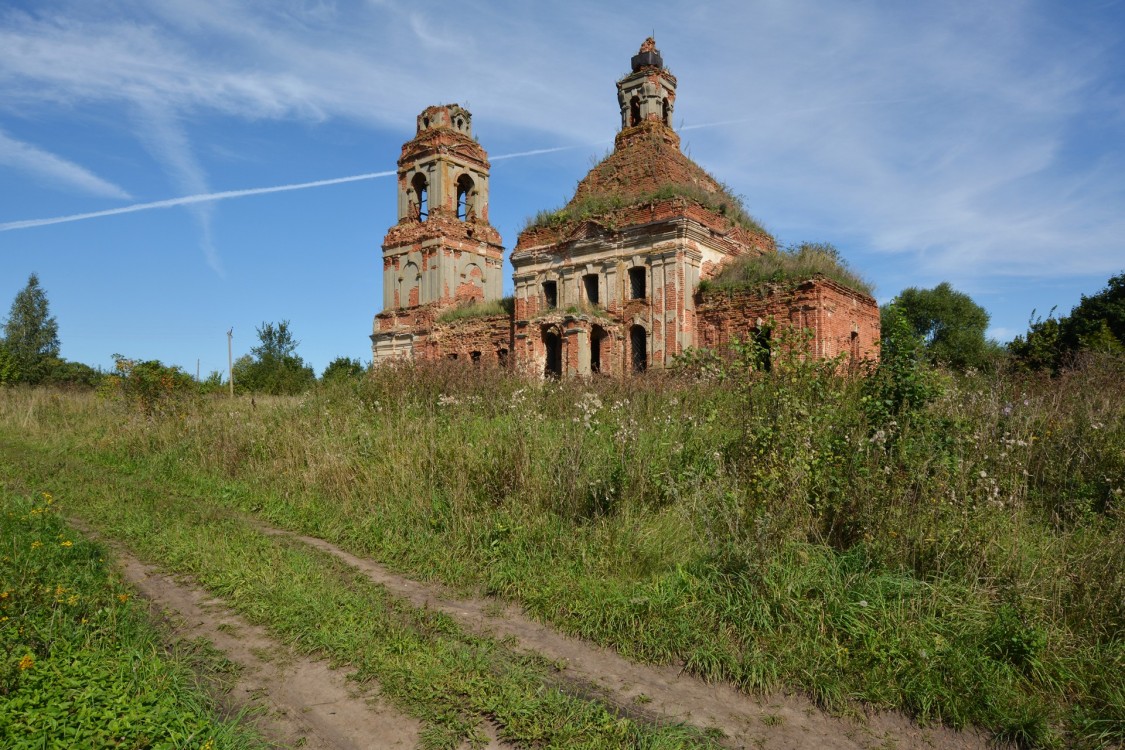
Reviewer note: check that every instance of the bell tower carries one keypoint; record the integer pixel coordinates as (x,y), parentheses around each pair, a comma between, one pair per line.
(442,250)
(647,97)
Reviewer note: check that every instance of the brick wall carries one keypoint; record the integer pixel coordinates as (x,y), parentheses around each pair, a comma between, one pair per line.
(843,321)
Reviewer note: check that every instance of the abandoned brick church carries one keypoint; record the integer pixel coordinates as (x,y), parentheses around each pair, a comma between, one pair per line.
(608,284)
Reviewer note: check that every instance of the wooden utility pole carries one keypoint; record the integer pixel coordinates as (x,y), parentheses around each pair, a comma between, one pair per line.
(230,361)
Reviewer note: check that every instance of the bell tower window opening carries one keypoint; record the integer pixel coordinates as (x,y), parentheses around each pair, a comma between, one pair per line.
(666,112)
(421,193)
(634,111)
(551,294)
(638,282)
(590,286)
(465,203)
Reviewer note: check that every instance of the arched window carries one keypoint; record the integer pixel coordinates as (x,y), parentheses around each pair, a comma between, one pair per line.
(421,195)
(638,342)
(666,113)
(634,111)
(466,207)
(597,340)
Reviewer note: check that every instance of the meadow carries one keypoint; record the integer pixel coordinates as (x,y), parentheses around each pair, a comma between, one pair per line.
(950,546)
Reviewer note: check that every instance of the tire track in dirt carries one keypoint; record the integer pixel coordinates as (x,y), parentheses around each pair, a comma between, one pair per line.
(665,693)
(291,700)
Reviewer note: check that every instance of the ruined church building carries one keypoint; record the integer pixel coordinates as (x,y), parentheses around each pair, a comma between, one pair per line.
(610,283)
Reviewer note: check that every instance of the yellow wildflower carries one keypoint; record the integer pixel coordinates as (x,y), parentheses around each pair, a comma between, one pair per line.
(68,543)
(72,600)
(27,662)
(36,544)
(123,598)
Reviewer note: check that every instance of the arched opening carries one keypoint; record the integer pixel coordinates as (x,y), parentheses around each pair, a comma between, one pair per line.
(666,113)
(597,340)
(475,357)
(465,201)
(421,196)
(634,111)
(502,357)
(552,344)
(638,345)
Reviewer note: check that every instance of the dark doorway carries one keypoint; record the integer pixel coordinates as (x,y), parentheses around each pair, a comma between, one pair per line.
(638,343)
(762,355)
(597,339)
(552,342)
(502,357)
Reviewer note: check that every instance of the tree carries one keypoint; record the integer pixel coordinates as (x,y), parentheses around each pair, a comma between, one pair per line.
(950,324)
(31,334)
(273,366)
(342,368)
(1096,324)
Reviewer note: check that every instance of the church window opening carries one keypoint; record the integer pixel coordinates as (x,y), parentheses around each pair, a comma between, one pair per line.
(551,294)
(597,338)
(637,282)
(465,207)
(475,356)
(421,195)
(552,343)
(502,357)
(762,354)
(634,111)
(666,113)
(638,343)
(590,285)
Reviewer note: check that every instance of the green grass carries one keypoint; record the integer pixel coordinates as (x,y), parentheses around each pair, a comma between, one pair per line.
(80,665)
(794,264)
(423,661)
(486,309)
(604,205)
(963,562)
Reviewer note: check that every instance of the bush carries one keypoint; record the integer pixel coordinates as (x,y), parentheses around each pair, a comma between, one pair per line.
(149,385)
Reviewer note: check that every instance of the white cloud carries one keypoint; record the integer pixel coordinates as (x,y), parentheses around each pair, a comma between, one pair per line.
(53,169)
(946,133)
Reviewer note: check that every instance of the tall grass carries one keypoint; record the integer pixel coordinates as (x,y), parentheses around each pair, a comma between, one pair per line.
(963,560)
(796,263)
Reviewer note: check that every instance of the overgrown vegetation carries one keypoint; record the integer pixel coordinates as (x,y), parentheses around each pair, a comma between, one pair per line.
(602,206)
(475,309)
(80,665)
(1096,324)
(952,546)
(792,264)
(951,325)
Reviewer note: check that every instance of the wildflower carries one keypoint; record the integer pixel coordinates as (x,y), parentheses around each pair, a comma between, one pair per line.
(983,474)
(36,544)
(67,543)
(863,602)
(72,599)
(27,662)
(48,497)
(122,598)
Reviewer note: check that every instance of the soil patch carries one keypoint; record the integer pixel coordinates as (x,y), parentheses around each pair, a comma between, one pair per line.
(665,692)
(292,700)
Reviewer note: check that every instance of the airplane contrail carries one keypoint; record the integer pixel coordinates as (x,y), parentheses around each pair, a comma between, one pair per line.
(227,194)
(189,199)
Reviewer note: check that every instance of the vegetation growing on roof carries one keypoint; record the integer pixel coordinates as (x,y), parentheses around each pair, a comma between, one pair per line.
(791,264)
(475,309)
(601,205)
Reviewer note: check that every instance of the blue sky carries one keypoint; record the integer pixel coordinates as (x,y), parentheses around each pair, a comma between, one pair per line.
(977,143)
